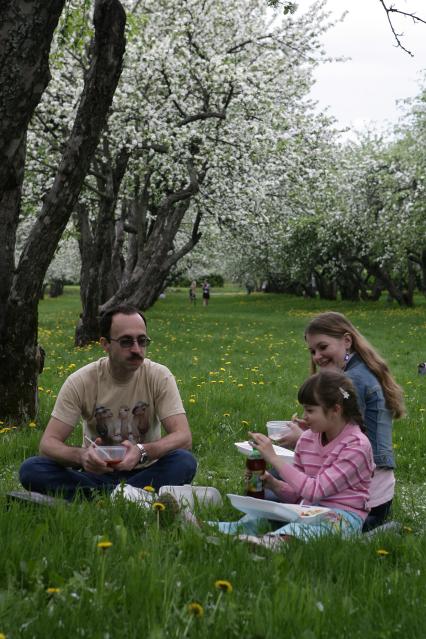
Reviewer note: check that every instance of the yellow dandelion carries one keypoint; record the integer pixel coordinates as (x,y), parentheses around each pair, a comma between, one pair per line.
(192,400)
(223,584)
(243,421)
(104,545)
(51,591)
(32,425)
(195,609)
(158,506)
(382,552)
(2,636)
(407,529)
(149,489)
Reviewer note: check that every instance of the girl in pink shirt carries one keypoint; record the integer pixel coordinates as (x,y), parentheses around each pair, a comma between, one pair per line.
(333,464)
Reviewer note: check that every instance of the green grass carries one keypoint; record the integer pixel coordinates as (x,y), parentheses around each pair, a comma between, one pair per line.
(238,363)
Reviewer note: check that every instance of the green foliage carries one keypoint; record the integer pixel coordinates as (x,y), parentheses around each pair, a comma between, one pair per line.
(214,279)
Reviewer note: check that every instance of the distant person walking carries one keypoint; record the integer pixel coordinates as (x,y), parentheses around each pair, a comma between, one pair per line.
(206,293)
(192,292)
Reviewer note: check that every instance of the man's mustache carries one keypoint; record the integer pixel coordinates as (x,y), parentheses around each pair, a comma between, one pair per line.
(136,356)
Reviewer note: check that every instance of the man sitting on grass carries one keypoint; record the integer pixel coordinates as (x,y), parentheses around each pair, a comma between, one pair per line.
(123,399)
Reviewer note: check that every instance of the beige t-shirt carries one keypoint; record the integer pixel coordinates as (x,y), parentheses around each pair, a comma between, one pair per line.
(116,411)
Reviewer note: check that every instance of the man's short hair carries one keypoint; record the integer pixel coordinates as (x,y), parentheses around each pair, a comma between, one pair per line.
(105,319)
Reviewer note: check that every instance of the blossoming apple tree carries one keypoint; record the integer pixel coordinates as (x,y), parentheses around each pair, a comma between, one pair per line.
(208,115)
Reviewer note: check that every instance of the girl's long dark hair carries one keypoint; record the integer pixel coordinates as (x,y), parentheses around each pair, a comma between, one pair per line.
(328,388)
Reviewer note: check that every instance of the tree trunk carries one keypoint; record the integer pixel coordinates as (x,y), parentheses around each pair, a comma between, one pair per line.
(10,206)
(395,291)
(27,29)
(420,260)
(98,250)
(151,254)
(87,327)
(327,288)
(56,288)
(110,183)
(349,286)
(376,290)
(423,267)
(18,336)
(157,257)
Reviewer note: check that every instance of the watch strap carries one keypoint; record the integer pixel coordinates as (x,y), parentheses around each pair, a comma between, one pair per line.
(144,454)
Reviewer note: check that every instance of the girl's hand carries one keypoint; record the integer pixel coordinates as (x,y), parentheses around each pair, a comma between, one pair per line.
(263,444)
(271,482)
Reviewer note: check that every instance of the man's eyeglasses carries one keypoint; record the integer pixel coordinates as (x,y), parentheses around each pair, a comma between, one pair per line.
(127,342)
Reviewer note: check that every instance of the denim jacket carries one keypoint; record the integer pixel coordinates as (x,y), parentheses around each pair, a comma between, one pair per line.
(377,417)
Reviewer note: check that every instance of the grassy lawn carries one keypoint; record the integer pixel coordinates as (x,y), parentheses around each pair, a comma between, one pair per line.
(238,363)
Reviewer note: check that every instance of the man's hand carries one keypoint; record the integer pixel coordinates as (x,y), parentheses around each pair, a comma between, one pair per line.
(93,462)
(131,458)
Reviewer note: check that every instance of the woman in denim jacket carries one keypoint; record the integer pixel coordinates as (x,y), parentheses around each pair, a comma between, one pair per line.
(333,342)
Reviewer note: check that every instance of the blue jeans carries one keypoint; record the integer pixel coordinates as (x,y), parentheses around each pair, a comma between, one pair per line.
(44,475)
(337,521)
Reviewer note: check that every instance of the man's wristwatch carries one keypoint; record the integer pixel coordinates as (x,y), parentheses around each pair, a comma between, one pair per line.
(144,454)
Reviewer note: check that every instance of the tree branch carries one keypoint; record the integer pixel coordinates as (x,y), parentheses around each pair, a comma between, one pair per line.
(203,115)
(397,36)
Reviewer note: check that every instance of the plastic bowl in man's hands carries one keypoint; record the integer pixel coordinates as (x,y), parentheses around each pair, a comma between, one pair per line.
(112,454)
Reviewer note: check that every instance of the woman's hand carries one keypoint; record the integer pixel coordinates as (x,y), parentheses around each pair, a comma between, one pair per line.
(263,444)
(296,428)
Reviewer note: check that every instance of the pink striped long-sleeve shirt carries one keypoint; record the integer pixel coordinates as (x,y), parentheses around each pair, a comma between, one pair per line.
(336,475)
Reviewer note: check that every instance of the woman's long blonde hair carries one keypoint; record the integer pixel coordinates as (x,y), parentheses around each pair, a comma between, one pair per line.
(337,325)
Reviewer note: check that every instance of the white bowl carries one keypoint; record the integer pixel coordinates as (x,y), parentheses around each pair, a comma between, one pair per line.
(277,429)
(246,449)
